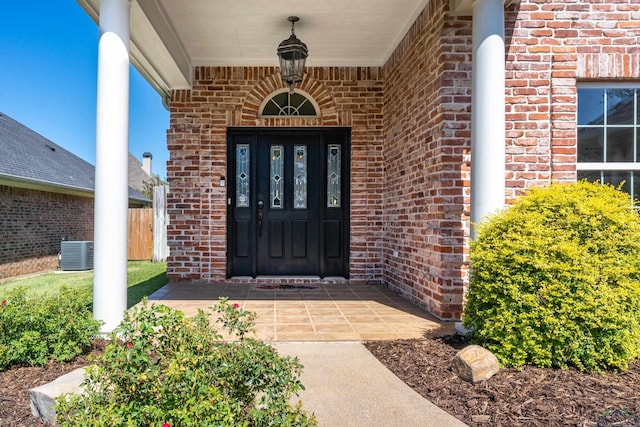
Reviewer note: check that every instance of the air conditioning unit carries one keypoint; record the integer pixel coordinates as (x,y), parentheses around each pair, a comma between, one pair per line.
(76,256)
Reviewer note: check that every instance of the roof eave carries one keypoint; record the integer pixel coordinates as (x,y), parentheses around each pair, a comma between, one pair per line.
(154,47)
(40,185)
(52,187)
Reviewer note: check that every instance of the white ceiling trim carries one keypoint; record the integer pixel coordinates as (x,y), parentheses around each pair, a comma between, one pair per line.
(333,61)
(157,29)
(162,61)
(169,37)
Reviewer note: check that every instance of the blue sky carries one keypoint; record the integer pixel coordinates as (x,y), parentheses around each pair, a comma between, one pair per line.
(48,77)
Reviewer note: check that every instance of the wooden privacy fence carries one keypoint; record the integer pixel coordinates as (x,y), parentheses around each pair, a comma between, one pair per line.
(160,221)
(148,229)
(140,242)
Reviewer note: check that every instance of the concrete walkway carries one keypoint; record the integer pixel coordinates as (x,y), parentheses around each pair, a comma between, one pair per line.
(324,326)
(346,386)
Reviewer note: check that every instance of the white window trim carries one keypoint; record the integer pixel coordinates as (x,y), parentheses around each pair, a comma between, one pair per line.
(594,166)
(610,85)
(609,166)
(612,166)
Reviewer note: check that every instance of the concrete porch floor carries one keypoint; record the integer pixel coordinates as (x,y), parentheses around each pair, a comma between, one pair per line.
(313,312)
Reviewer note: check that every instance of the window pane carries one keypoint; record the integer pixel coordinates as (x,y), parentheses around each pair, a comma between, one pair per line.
(620,106)
(300,176)
(333,175)
(608,132)
(306,108)
(591,144)
(620,145)
(242,175)
(591,176)
(289,104)
(276,177)
(637,140)
(273,107)
(616,178)
(590,106)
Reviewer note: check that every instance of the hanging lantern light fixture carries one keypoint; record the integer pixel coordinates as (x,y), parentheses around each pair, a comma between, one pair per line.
(293,55)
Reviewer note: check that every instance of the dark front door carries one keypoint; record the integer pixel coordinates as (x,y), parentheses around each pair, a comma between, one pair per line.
(288,203)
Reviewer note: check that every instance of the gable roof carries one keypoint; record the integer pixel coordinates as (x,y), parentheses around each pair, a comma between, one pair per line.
(29,160)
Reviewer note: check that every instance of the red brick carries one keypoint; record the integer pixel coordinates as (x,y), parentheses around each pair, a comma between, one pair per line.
(410,123)
(32,225)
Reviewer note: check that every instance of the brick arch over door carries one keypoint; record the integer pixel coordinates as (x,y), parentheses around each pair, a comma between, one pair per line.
(314,88)
(223,97)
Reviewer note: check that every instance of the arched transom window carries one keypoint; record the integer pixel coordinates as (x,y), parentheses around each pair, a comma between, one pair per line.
(285,103)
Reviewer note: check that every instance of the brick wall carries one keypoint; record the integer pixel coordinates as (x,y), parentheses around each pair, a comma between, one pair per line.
(550,48)
(410,124)
(231,96)
(32,224)
(427,140)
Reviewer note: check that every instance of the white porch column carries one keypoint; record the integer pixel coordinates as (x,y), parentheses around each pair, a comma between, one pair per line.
(112,148)
(487,110)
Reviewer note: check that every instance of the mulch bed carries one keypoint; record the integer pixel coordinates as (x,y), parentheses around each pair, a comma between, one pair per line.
(15,409)
(529,397)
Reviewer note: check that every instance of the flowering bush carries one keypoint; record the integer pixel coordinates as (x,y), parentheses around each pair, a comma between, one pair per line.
(164,369)
(36,330)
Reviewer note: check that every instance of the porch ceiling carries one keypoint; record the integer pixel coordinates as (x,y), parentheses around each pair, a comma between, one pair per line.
(169,37)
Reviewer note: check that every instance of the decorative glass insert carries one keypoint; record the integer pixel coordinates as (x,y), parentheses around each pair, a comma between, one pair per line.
(276,177)
(289,104)
(609,135)
(243,156)
(333,175)
(300,176)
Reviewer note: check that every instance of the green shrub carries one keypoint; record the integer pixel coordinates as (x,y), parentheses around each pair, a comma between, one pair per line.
(34,330)
(555,280)
(164,369)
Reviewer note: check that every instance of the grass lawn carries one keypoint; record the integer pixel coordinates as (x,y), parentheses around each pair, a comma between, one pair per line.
(143,279)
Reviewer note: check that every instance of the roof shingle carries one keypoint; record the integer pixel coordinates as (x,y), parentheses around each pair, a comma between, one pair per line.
(28,156)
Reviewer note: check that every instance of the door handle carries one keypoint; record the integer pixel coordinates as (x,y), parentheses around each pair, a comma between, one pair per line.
(260,206)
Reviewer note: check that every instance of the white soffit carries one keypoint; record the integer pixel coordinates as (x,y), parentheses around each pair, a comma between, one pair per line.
(156,48)
(247,32)
(156,54)
(169,37)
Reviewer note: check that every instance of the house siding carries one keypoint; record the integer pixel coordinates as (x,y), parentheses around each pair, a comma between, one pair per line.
(32,224)
(410,123)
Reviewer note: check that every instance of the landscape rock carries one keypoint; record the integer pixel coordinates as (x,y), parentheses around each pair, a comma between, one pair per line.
(461,330)
(43,397)
(474,364)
